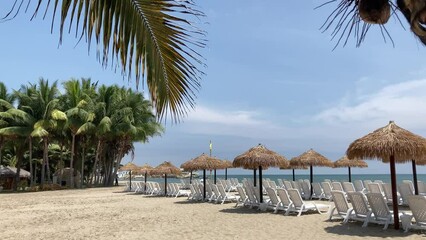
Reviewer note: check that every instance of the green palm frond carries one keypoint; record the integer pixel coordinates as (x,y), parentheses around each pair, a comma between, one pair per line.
(58,115)
(157,40)
(86,128)
(15,131)
(39,132)
(5,104)
(21,116)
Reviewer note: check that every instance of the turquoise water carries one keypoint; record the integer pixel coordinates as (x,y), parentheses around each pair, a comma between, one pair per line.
(317,178)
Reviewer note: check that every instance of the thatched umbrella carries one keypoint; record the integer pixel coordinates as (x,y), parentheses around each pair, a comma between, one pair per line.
(393,144)
(187,166)
(227,164)
(205,162)
(259,157)
(166,168)
(130,167)
(288,166)
(310,159)
(345,162)
(145,170)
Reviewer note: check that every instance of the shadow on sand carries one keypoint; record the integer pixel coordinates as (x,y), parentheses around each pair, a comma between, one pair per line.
(355,229)
(241,210)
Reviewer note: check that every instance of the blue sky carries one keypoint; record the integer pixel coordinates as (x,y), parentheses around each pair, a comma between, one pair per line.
(272,78)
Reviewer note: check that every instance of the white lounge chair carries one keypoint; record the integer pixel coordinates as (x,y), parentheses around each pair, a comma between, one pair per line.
(224,196)
(405,191)
(337,186)
(360,207)
(341,206)
(380,211)
(252,199)
(306,190)
(348,187)
(418,207)
(285,200)
(359,186)
(318,193)
(374,188)
(243,199)
(274,203)
(287,185)
(301,206)
(326,187)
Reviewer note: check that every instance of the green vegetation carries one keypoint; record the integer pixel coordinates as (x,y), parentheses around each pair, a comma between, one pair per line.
(89,128)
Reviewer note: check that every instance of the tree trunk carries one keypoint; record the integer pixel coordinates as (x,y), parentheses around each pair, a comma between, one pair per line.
(72,161)
(19,155)
(98,149)
(43,164)
(82,168)
(30,143)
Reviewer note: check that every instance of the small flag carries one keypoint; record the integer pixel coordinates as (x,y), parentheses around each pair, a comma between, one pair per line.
(211,146)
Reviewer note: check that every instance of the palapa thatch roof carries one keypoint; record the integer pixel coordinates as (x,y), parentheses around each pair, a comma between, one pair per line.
(345,162)
(11,172)
(227,164)
(146,168)
(203,162)
(130,167)
(259,156)
(289,166)
(387,141)
(166,168)
(310,158)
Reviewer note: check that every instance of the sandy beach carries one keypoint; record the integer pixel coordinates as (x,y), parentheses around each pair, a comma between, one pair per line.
(109,213)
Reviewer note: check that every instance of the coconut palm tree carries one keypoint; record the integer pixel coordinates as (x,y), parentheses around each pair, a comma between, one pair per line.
(6,101)
(77,103)
(44,105)
(156,39)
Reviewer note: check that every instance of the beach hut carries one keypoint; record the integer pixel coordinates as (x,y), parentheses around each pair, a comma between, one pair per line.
(8,175)
(166,168)
(63,177)
(145,170)
(130,167)
(345,162)
(204,162)
(288,166)
(390,144)
(310,159)
(259,157)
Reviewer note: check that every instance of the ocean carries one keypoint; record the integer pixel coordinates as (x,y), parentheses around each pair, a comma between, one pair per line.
(316,178)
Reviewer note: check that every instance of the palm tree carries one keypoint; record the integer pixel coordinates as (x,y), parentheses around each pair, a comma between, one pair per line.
(157,39)
(44,106)
(6,101)
(77,104)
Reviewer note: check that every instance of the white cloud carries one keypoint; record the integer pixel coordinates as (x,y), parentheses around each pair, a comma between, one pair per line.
(209,121)
(403,102)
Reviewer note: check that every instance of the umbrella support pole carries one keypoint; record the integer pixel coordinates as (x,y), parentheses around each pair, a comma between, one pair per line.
(294,177)
(349,173)
(204,184)
(260,185)
(416,187)
(165,185)
(130,178)
(394,195)
(144,188)
(190,178)
(215,176)
(254,177)
(226,174)
(311,171)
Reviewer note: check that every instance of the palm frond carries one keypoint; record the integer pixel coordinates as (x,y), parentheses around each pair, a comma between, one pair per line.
(157,40)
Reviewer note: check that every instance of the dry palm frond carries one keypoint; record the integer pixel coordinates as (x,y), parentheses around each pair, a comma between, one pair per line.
(154,39)
(346,162)
(259,156)
(355,17)
(310,158)
(387,141)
